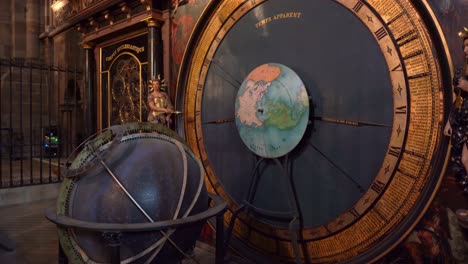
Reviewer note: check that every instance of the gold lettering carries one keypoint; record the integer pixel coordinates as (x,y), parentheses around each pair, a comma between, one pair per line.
(123,47)
(263,22)
(278,16)
(109,58)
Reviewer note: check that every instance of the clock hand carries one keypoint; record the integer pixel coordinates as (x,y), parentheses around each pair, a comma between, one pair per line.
(232,80)
(356,184)
(348,122)
(220,121)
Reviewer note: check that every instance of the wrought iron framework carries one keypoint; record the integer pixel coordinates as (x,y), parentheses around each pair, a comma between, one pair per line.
(41,121)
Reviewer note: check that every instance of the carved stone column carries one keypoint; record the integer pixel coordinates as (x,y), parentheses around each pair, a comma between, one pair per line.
(18,27)
(155,49)
(5,29)
(32,29)
(90,89)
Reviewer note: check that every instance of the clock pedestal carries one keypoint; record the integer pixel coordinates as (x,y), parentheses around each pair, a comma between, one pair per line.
(293,216)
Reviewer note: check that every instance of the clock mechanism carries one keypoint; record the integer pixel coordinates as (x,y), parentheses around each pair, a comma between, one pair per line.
(370,160)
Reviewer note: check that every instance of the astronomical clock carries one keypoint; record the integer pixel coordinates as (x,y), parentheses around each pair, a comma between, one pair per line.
(371,155)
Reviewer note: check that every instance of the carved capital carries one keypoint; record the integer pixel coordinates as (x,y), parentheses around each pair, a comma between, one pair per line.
(87,45)
(153,23)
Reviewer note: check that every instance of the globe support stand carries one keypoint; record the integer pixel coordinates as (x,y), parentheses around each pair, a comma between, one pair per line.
(112,232)
(293,217)
(113,240)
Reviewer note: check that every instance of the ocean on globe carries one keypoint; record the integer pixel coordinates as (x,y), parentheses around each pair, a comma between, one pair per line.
(272,110)
(131,174)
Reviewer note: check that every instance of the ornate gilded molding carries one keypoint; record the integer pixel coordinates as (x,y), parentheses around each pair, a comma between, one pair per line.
(126,9)
(91,16)
(146,3)
(93,23)
(109,17)
(80,28)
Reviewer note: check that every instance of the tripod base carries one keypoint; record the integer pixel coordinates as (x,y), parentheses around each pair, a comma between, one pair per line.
(293,217)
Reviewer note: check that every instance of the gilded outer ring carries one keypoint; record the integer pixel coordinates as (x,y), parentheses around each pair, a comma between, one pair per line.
(406,176)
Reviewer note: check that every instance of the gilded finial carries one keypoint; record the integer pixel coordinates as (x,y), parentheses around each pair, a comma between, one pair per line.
(464,33)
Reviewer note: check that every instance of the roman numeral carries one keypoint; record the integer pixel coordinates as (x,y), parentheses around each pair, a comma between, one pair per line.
(354,212)
(357,6)
(381,33)
(378,186)
(206,62)
(401,110)
(397,68)
(394,151)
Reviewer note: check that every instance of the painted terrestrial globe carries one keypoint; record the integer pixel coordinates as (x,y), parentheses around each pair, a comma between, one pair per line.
(272,110)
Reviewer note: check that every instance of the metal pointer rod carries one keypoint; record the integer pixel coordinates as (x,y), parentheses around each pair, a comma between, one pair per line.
(220,121)
(348,122)
(232,80)
(356,184)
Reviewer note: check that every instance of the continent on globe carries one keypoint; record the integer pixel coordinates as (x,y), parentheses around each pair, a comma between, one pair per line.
(282,116)
(257,83)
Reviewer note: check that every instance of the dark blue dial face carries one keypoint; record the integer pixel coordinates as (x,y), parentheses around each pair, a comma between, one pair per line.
(352,186)
(351,106)
(371,157)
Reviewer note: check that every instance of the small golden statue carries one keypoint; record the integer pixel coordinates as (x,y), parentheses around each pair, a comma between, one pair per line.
(159,103)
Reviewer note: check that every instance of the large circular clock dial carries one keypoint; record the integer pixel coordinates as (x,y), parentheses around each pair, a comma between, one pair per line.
(373,153)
